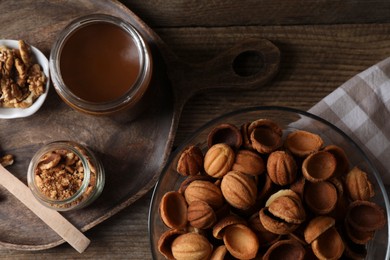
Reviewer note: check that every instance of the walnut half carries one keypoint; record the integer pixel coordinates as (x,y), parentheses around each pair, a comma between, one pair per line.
(22,80)
(7,160)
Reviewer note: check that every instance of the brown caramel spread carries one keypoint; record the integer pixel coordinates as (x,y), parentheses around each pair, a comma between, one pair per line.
(99,62)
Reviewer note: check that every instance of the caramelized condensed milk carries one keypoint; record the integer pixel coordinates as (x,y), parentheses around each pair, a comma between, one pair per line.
(101,65)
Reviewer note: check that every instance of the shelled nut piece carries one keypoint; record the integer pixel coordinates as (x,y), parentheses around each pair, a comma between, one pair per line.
(165,241)
(241,241)
(266,238)
(289,209)
(225,133)
(339,185)
(285,249)
(219,253)
(280,193)
(317,226)
(298,186)
(283,214)
(191,246)
(340,211)
(324,238)
(302,143)
(274,225)
(365,216)
(7,160)
(201,215)
(190,161)
(219,227)
(22,80)
(320,197)
(358,185)
(355,251)
(328,245)
(281,168)
(223,211)
(218,160)
(265,135)
(342,203)
(191,178)
(248,162)
(246,139)
(239,190)
(341,158)
(205,191)
(357,236)
(173,210)
(319,166)
(265,188)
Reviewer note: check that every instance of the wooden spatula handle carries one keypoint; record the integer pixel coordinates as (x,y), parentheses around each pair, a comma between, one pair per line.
(51,217)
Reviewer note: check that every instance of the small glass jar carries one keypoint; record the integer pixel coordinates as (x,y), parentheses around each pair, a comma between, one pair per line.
(64,175)
(101,65)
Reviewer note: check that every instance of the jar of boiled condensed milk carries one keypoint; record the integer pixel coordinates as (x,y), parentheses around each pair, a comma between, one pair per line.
(101,65)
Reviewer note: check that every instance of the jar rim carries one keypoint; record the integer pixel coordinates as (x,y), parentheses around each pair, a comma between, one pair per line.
(131,96)
(57,145)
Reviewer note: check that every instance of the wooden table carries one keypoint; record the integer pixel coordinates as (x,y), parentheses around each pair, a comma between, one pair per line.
(323,44)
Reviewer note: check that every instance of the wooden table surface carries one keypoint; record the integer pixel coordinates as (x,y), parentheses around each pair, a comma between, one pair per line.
(323,44)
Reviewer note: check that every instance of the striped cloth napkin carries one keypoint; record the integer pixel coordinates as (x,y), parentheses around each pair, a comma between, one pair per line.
(361,108)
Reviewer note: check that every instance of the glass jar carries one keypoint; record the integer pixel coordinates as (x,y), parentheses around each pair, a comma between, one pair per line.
(64,175)
(101,65)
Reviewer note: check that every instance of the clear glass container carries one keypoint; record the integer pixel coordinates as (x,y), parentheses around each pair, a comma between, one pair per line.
(290,120)
(64,175)
(115,41)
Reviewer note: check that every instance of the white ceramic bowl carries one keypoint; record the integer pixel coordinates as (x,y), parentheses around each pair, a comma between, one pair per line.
(290,120)
(8,113)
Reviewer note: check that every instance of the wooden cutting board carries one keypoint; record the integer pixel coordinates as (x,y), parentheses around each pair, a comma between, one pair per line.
(133,152)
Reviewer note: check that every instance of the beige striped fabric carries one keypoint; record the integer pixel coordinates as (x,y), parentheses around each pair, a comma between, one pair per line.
(361,108)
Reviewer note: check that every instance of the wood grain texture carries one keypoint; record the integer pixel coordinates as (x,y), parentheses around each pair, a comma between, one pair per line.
(204,13)
(133,152)
(323,44)
(315,60)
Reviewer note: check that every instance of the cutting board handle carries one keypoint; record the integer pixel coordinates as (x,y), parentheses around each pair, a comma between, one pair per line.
(248,65)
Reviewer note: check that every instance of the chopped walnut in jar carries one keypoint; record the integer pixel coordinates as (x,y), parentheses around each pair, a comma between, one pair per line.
(60,174)
(22,80)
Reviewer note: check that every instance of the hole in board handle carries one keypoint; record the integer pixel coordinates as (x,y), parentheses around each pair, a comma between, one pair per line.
(248,63)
